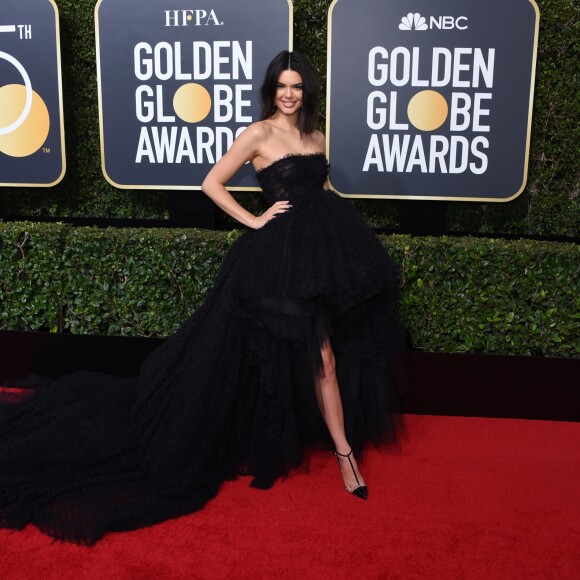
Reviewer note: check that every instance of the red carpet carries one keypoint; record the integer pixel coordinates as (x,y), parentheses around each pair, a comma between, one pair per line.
(462,498)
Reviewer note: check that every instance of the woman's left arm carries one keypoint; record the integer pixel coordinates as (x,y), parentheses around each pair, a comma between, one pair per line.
(244,149)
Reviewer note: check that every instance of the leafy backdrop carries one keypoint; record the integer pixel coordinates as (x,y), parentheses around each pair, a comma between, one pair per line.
(457,294)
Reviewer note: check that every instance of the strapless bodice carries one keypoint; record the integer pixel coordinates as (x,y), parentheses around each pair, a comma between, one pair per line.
(293,176)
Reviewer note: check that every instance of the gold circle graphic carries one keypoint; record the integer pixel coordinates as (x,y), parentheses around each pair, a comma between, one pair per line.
(427,110)
(192,103)
(30,136)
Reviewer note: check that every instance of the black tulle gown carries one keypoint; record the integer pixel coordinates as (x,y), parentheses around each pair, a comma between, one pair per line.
(231,392)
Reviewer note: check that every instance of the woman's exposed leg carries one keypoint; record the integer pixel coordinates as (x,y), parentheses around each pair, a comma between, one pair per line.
(330,403)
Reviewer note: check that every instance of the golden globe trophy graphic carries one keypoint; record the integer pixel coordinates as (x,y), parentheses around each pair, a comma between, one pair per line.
(192,103)
(24,118)
(31,124)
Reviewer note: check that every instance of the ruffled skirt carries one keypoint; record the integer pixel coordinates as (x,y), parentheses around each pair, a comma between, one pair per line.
(231,392)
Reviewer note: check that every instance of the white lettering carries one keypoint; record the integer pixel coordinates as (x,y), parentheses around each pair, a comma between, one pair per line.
(374,67)
(144,148)
(417,156)
(464,67)
(241,59)
(218,60)
(448,22)
(478,112)
(184,17)
(241,103)
(433,154)
(180,76)
(458,161)
(224,59)
(185,147)
(436,22)
(223,140)
(393,114)
(163,56)
(483,68)
(144,110)
(478,170)
(459,114)
(459,67)
(222,101)
(205,141)
(396,151)
(164,143)
(200,61)
(400,60)
(373,156)
(212,18)
(143,66)
(174,145)
(380,112)
(438,155)
(415,81)
(172,18)
(438,52)
(161,117)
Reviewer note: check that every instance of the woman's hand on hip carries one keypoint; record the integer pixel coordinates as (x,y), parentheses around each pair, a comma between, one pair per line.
(278,208)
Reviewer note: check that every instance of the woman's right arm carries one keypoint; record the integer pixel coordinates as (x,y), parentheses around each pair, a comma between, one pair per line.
(244,149)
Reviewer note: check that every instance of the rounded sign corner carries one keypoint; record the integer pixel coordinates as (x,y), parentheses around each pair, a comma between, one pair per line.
(536,8)
(518,192)
(108,178)
(98,7)
(59,178)
(55,7)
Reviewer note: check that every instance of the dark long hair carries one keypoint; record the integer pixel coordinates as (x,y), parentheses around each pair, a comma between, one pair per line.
(295,61)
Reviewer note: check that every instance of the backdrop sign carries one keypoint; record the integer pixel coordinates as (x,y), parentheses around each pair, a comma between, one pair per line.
(431,99)
(178,81)
(31,120)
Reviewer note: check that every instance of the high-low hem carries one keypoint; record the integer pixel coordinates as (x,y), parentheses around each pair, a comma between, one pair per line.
(231,392)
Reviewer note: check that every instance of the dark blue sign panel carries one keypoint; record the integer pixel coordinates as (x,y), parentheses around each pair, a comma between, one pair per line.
(431,100)
(31,121)
(178,81)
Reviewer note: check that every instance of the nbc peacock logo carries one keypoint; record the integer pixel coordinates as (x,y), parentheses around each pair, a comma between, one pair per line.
(413,21)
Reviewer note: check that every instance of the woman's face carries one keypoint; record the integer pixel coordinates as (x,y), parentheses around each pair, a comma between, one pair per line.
(288,96)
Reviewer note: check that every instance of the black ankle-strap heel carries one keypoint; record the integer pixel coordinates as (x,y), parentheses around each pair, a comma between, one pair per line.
(360,490)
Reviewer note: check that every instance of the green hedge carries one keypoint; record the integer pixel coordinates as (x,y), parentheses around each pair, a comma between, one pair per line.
(490,296)
(137,281)
(31,276)
(457,294)
(548,206)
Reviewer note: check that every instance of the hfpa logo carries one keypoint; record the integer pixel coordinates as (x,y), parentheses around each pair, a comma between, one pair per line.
(417,22)
(191,18)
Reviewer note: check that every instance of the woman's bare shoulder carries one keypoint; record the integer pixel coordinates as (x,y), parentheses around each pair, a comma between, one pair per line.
(251,140)
(319,140)
(260,130)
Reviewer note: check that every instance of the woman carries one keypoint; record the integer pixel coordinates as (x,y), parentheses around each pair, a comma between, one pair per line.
(299,326)
(287,130)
